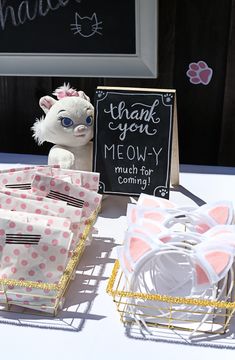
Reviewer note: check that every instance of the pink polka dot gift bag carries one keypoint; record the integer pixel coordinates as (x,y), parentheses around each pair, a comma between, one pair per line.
(46,218)
(32,250)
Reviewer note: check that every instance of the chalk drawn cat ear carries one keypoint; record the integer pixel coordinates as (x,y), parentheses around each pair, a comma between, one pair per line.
(150,201)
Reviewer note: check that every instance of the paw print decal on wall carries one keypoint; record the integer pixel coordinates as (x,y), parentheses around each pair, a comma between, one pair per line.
(199,73)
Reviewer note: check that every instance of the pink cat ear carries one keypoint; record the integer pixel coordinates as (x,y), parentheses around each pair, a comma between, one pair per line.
(219,260)
(158,216)
(213,266)
(221,213)
(137,246)
(201,276)
(201,228)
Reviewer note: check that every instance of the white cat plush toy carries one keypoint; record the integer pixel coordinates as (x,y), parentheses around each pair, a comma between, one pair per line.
(68,124)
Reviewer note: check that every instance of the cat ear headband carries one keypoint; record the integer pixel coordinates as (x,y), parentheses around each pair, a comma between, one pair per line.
(207,262)
(221,211)
(167,214)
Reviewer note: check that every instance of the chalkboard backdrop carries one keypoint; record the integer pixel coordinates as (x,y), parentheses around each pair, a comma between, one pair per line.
(67,26)
(133,136)
(78,37)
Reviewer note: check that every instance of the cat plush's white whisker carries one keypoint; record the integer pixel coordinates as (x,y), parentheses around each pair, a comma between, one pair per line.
(98,23)
(97,32)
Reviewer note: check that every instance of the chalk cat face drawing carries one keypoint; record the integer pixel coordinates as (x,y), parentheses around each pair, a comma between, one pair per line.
(86,26)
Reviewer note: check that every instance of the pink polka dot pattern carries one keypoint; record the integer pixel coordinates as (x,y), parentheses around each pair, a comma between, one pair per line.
(45,248)
(14,270)
(2,232)
(67,188)
(24,262)
(16,252)
(47,231)
(78,212)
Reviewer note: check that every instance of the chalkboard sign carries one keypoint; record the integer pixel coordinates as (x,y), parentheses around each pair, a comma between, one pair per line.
(78,37)
(133,140)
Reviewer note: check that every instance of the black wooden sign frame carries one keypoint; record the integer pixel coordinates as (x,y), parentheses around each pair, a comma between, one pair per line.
(15,16)
(135,142)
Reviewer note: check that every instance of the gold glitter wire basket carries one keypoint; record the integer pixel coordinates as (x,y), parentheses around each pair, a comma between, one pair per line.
(43,297)
(154,310)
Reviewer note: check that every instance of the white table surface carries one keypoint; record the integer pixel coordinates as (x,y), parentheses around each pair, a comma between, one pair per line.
(89,326)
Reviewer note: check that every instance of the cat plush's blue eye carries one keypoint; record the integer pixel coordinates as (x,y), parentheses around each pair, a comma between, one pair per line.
(66,122)
(89,120)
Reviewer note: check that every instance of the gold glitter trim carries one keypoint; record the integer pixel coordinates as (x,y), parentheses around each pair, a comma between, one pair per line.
(164,298)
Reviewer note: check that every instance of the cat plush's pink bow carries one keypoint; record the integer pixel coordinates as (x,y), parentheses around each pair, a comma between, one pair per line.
(66,90)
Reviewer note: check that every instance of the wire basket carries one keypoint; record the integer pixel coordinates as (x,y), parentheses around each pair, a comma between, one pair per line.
(46,297)
(155,310)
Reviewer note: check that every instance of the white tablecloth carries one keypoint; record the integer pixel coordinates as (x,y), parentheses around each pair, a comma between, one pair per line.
(89,326)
